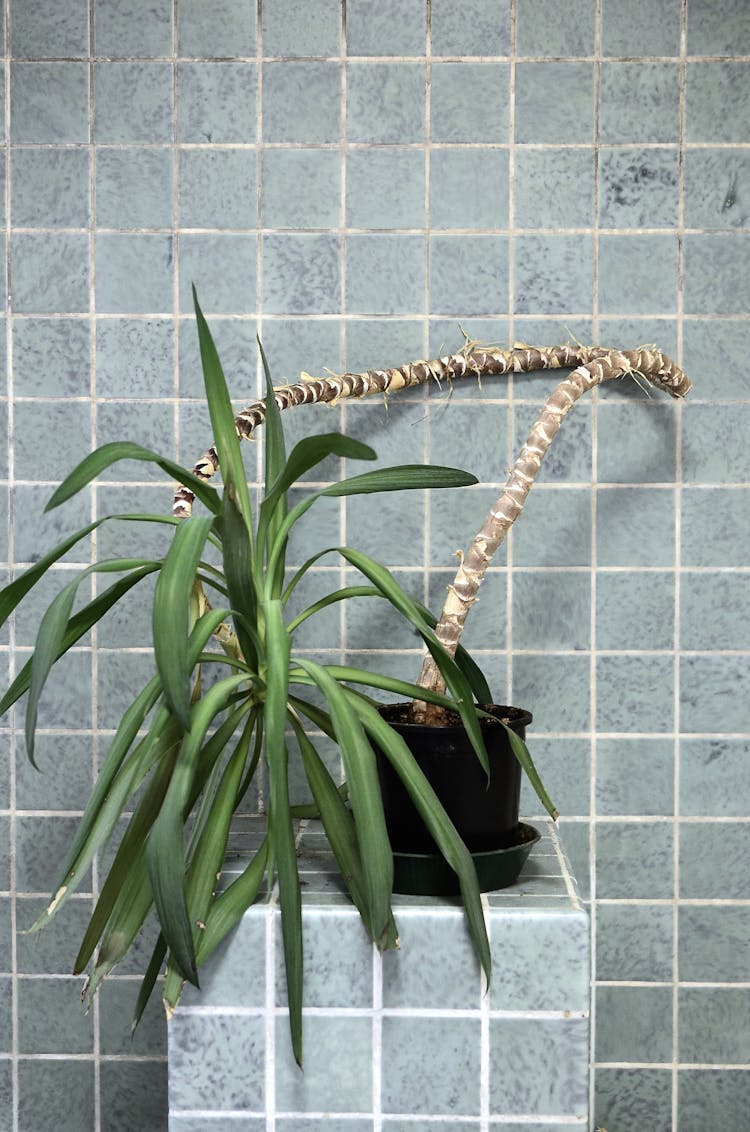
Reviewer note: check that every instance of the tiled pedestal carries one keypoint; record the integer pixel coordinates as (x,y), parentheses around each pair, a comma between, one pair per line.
(404,1043)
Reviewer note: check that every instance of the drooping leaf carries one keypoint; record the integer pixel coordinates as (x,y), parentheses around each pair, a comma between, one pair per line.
(238,568)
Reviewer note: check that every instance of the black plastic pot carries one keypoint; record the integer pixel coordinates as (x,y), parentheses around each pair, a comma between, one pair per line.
(485,814)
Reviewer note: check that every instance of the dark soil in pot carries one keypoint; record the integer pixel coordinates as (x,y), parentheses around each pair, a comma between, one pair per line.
(485,815)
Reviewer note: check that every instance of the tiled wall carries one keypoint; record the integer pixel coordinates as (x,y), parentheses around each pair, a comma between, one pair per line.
(531,170)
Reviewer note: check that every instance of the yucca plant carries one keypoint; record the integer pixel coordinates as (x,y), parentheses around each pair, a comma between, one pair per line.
(188,747)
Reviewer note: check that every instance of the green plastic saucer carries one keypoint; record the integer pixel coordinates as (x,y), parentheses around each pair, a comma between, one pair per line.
(429,874)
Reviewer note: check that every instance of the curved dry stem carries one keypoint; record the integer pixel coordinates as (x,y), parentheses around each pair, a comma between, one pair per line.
(462,593)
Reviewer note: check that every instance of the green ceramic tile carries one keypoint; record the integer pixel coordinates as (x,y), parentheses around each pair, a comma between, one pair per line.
(635,693)
(539,682)
(301,188)
(634,942)
(455,517)
(545,27)
(38,529)
(121,30)
(702,337)
(655,31)
(5,854)
(633,1024)
(134,539)
(639,102)
(337,958)
(51,357)
(301,102)
(633,1099)
(50,188)
(401,543)
(712,1097)
(564,767)
(50,272)
(711,699)
(430,1066)
(717,102)
(134,188)
(635,610)
(638,188)
(713,861)
(708,36)
(134,357)
(6,1015)
(635,776)
(714,1024)
(555,103)
(469,102)
(385,103)
(321,524)
(326,1041)
(569,458)
(435,965)
(308,1124)
(523,1053)
(51,1019)
(397,433)
(396,27)
(553,274)
(637,274)
(384,188)
(56,1096)
(468,274)
(301,274)
(634,860)
(468,188)
(117,1002)
(133,102)
(637,442)
(294,345)
(448,336)
(635,526)
(218,1061)
(216,102)
(150,425)
(218,188)
(183,1123)
(41,845)
(624,334)
(709,773)
(554,188)
(49,103)
(65,763)
(71,421)
(49,29)
(133,1095)
(121,677)
(473,435)
(226,30)
(714,943)
(373,343)
(384,273)
(133,273)
(713,449)
(476,28)
(551,611)
(50,952)
(714,610)
(565,517)
(223,267)
(541,962)
(292,28)
(714,280)
(715,189)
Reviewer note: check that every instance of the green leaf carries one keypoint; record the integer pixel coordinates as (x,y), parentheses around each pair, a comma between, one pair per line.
(238,567)
(222,418)
(165,852)
(96,462)
(279,817)
(148,983)
(437,821)
(54,625)
(392,684)
(170,613)
(364,791)
(522,753)
(331,599)
(230,906)
(311,451)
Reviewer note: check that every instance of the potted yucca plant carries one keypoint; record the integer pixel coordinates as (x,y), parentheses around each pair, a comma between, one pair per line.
(192,741)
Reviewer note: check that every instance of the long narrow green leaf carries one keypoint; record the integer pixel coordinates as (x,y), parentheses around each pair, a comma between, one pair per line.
(522,753)
(307,454)
(52,630)
(148,982)
(170,613)
(238,568)
(364,790)
(222,418)
(165,850)
(331,599)
(96,462)
(132,905)
(280,819)
(403,688)
(230,906)
(435,818)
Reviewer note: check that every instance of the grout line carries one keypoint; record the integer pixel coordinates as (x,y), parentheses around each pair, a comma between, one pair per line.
(343,340)
(511,384)
(427,427)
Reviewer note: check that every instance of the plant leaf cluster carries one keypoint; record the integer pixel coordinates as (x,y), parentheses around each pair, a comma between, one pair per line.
(194,739)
